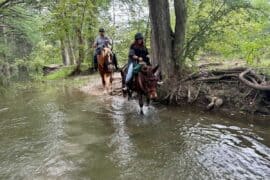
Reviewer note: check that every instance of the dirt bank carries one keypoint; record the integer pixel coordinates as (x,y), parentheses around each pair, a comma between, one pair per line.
(95,88)
(237,91)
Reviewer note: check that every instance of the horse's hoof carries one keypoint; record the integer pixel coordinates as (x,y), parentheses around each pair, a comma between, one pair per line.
(141,112)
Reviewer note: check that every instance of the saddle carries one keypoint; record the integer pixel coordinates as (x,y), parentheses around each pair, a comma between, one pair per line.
(140,67)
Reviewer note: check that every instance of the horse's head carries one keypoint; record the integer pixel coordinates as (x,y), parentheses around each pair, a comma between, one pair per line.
(108,61)
(148,81)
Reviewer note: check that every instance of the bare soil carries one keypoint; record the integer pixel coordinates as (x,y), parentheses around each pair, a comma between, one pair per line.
(95,88)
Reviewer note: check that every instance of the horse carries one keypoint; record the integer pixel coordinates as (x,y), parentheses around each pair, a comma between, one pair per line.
(106,68)
(144,84)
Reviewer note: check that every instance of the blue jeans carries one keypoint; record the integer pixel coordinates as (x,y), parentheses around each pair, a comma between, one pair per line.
(129,73)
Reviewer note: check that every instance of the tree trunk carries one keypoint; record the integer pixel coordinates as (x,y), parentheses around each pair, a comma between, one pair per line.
(161,42)
(81,47)
(70,51)
(167,47)
(80,37)
(180,30)
(5,40)
(64,53)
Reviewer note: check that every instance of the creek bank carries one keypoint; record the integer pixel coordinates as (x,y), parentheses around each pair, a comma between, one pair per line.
(221,91)
(237,91)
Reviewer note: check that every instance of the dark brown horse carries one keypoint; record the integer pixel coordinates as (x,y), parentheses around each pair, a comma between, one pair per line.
(106,68)
(144,84)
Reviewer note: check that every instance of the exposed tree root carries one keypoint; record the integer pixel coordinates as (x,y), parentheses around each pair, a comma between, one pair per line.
(238,89)
(253,84)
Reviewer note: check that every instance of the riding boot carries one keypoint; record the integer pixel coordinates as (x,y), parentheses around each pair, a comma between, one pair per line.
(96,66)
(125,87)
(115,62)
(95,62)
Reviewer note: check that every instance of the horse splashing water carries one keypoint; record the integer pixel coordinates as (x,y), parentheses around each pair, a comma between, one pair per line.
(106,68)
(144,84)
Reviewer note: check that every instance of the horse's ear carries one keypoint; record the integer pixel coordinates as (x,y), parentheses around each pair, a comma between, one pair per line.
(154,70)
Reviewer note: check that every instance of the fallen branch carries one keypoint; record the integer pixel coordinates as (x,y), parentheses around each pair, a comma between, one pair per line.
(252,84)
(214,78)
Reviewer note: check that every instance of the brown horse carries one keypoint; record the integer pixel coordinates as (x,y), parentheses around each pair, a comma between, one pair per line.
(106,68)
(144,84)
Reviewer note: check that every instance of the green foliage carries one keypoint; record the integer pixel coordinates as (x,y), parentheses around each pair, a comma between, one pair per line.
(64,72)
(34,33)
(20,32)
(249,39)
(228,28)
(45,53)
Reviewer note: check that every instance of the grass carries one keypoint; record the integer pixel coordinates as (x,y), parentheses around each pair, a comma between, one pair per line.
(61,73)
(263,66)
(64,72)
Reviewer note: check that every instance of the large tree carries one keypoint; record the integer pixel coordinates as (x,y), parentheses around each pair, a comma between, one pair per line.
(167,45)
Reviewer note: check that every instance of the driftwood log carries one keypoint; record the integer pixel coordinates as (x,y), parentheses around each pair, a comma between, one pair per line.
(50,68)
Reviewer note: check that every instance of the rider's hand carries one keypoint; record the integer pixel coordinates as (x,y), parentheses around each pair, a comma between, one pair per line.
(135,57)
(140,59)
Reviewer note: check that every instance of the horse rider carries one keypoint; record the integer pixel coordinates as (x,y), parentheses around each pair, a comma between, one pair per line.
(138,54)
(102,41)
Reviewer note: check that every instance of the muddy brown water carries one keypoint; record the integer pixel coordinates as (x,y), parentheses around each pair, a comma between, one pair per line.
(54,131)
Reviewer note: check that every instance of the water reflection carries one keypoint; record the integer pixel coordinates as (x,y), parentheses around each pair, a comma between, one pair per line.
(55,132)
(124,150)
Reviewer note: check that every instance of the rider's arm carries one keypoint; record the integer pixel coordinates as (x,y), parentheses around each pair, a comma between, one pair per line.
(95,44)
(109,41)
(132,54)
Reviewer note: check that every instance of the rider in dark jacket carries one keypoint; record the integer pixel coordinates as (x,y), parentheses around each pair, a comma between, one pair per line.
(138,54)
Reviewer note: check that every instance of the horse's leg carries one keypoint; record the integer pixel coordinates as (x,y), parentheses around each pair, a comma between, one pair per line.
(141,103)
(103,82)
(147,101)
(102,78)
(111,80)
(129,95)
(107,82)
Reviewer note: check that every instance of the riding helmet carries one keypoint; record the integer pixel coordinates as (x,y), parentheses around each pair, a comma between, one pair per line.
(101,30)
(138,36)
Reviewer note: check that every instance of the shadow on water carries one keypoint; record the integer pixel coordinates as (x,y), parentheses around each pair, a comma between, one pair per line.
(53,131)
